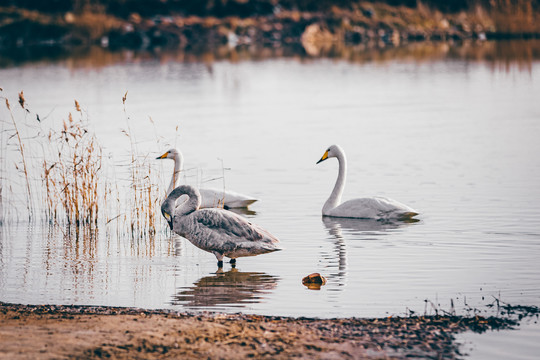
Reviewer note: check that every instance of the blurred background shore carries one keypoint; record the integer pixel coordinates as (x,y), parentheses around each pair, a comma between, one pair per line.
(31,28)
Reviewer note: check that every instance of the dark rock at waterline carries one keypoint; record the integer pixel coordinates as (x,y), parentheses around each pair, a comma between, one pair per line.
(27,33)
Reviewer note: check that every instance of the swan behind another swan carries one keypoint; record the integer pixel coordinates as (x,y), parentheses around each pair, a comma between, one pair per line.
(210,198)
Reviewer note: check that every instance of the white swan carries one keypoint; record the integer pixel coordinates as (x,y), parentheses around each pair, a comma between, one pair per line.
(379,208)
(221,232)
(210,197)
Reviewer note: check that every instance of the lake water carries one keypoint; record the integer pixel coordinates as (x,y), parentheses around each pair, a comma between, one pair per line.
(455,137)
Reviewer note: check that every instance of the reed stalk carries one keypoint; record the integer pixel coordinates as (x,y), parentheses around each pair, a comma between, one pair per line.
(21,148)
(72,178)
(71,170)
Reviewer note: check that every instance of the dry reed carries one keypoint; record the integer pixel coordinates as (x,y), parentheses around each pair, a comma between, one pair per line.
(144,196)
(514,16)
(21,149)
(71,179)
(71,170)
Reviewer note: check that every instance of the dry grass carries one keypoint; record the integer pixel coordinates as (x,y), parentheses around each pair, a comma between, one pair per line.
(71,178)
(69,175)
(497,16)
(514,16)
(144,198)
(22,151)
(90,25)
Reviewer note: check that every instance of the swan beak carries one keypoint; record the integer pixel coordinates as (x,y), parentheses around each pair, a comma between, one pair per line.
(164,156)
(168,218)
(324,157)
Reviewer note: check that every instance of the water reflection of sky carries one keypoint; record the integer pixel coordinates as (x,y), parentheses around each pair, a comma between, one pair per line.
(456,139)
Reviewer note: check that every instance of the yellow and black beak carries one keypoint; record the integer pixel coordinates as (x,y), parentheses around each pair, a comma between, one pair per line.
(164,156)
(168,218)
(324,157)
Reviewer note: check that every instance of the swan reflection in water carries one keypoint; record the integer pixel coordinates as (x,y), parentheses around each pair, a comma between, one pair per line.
(232,287)
(358,229)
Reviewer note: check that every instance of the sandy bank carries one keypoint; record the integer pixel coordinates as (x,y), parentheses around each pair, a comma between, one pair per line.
(46,332)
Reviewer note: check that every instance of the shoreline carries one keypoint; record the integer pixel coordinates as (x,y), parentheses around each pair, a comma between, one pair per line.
(366,23)
(56,331)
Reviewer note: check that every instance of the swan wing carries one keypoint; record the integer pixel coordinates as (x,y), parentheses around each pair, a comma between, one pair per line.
(223,232)
(372,208)
(228,224)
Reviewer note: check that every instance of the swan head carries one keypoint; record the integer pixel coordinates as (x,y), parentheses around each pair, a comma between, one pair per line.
(167,209)
(170,154)
(332,151)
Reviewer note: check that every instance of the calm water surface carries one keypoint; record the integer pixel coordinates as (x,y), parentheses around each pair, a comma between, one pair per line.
(455,139)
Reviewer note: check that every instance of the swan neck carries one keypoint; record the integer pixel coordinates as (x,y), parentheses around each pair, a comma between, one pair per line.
(193,203)
(178,161)
(335,197)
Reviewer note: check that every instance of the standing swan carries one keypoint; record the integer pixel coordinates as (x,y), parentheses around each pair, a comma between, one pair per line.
(221,232)
(210,197)
(379,208)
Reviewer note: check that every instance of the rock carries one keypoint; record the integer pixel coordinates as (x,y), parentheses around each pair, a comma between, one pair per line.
(314,281)
(315,38)
(69,18)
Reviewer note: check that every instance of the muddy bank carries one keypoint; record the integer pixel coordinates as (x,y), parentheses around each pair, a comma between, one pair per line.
(43,332)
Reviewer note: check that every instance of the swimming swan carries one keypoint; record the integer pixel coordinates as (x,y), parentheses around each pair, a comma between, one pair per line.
(210,197)
(379,208)
(221,232)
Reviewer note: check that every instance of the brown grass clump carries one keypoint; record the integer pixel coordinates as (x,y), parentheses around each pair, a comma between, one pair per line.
(514,16)
(71,178)
(70,169)
(90,25)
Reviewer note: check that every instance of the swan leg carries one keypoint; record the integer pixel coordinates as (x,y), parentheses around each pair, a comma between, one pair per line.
(233,263)
(219,259)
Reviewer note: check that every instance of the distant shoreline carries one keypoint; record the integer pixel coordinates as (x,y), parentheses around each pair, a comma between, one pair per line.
(369,23)
(45,331)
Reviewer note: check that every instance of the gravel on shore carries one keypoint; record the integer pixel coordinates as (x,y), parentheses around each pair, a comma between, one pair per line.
(55,331)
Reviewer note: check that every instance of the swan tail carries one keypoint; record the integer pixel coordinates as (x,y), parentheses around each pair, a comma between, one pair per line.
(239,203)
(273,247)
(408,216)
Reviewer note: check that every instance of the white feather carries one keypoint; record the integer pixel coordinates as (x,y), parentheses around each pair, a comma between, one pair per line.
(379,208)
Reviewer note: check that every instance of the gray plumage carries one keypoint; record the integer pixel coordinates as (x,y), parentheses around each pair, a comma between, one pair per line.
(218,231)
